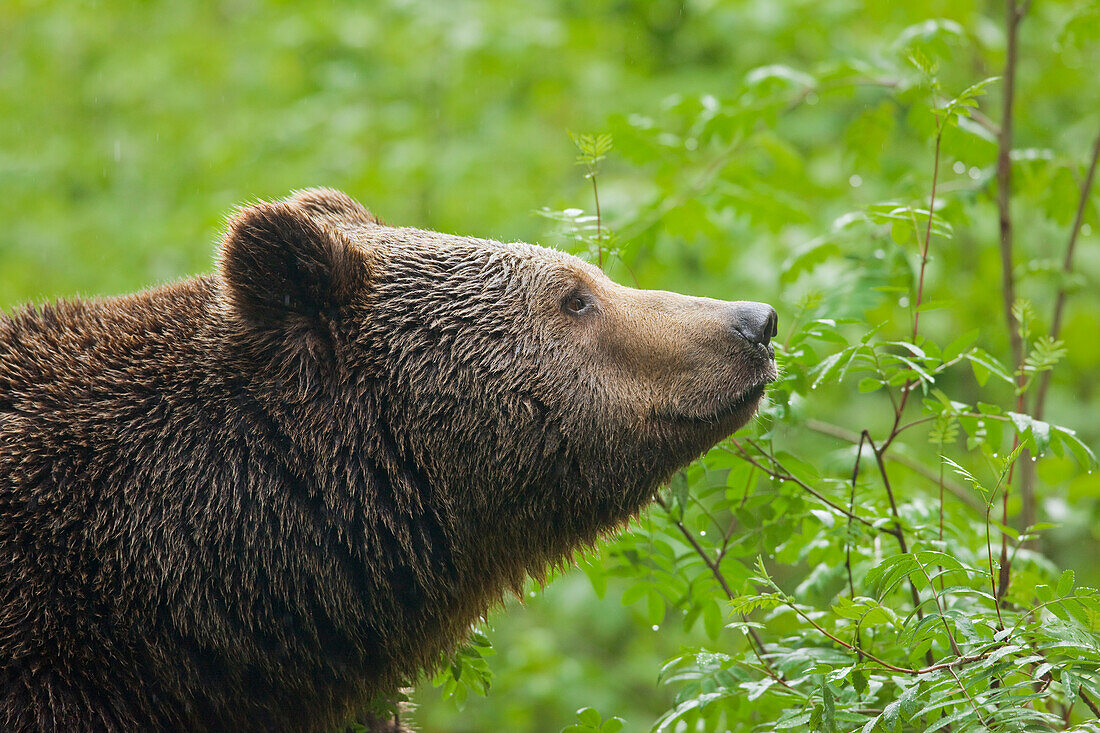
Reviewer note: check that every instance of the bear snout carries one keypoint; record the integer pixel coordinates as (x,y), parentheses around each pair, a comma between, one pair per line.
(757,323)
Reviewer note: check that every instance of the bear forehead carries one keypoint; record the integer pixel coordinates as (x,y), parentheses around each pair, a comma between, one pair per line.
(379,243)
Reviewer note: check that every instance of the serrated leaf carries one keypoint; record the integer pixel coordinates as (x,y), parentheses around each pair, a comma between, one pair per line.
(828,709)
(891,713)
(1065,584)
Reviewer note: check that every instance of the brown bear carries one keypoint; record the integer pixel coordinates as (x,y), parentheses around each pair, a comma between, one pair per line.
(259,499)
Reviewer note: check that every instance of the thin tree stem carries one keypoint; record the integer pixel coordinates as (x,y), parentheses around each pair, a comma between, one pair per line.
(784,475)
(914,594)
(957,662)
(960,492)
(1004,181)
(599,220)
(889,492)
(939,607)
(927,231)
(977,710)
(1088,701)
(1013,15)
(755,642)
(992,575)
(906,388)
(851,510)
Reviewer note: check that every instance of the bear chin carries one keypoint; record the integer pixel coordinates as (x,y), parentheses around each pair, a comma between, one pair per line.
(730,416)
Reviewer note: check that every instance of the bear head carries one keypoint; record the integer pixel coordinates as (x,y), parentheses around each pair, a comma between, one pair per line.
(511,397)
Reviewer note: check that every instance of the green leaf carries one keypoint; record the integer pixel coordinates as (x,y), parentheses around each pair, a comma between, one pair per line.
(712,619)
(680,493)
(612,725)
(959,345)
(826,367)
(890,714)
(901,232)
(1070,683)
(828,709)
(1064,437)
(869,384)
(859,680)
(1065,584)
(634,593)
(596,574)
(764,74)
(807,257)
(655,607)
(985,366)
(593,148)
(961,105)
(589,716)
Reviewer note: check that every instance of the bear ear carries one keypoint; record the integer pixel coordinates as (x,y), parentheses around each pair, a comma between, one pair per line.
(333,207)
(278,263)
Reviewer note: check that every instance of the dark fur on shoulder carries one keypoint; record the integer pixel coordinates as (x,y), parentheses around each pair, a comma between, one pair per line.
(259,500)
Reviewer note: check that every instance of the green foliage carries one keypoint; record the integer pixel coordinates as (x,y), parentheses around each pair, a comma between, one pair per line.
(774,151)
(593,149)
(895,605)
(589,721)
(466,670)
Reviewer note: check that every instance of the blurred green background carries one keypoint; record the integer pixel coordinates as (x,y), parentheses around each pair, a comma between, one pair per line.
(128,130)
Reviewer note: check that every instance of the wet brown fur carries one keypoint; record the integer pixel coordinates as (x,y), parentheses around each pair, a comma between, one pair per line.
(256,500)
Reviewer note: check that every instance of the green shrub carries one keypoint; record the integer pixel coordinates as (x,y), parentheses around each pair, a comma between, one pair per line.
(868,554)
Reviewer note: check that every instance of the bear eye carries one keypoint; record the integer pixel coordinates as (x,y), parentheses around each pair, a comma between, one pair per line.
(575,303)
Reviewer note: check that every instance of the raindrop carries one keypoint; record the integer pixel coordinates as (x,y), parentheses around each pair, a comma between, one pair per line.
(903,301)
(656,627)
(856,180)
(702,533)
(975,173)
(1086,229)
(959,167)
(995,455)
(811,98)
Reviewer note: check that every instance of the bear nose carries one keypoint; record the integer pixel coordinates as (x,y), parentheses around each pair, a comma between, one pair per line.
(756,322)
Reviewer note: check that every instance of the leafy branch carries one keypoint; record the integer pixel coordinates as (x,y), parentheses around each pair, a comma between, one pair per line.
(593,149)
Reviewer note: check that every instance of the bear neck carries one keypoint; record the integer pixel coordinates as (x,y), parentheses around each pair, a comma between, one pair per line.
(415,554)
